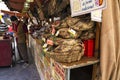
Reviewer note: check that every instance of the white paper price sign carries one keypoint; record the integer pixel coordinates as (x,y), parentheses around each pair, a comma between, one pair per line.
(79,7)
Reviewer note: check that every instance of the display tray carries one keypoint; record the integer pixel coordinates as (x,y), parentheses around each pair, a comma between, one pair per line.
(85,61)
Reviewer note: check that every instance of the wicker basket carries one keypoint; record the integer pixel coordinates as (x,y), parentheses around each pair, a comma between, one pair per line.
(69,56)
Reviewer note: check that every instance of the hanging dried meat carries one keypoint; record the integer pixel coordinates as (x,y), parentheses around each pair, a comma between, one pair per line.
(79,23)
(72,21)
(71,42)
(88,34)
(68,33)
(55,7)
(67,48)
(52,7)
(81,26)
(61,24)
(62,4)
(76,23)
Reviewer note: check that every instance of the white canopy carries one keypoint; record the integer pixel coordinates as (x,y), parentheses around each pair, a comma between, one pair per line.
(3,7)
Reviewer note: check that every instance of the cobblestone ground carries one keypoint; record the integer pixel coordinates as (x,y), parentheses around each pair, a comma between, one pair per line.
(19,73)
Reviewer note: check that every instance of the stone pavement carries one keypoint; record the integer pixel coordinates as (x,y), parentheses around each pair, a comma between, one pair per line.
(19,73)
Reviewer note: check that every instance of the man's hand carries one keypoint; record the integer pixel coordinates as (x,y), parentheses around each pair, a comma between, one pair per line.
(15,35)
(27,42)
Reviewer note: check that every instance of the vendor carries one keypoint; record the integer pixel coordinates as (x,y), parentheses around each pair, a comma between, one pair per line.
(20,32)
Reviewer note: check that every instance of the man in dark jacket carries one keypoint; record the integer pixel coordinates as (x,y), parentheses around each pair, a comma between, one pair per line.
(21,33)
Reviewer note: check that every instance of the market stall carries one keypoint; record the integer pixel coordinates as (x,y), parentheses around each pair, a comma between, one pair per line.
(60,29)
(60,43)
(50,69)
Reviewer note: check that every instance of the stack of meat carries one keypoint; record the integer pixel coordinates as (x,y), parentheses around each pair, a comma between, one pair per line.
(65,40)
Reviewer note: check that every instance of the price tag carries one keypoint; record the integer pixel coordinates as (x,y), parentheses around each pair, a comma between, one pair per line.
(53,30)
(96,15)
(45,45)
(50,42)
(0,16)
(45,50)
(43,39)
(73,32)
(57,33)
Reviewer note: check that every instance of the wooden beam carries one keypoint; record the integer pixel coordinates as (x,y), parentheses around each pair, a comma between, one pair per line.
(96,68)
(11,13)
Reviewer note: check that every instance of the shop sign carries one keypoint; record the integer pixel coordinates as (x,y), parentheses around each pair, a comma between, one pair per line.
(79,7)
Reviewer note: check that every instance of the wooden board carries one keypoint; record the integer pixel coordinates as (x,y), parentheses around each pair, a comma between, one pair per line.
(83,62)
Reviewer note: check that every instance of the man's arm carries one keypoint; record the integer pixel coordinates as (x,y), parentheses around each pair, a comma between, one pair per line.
(14,29)
(26,32)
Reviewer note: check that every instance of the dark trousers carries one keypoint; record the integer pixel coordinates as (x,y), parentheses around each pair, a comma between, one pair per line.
(22,48)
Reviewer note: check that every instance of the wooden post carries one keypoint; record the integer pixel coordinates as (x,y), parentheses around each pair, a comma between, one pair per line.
(97,40)
(14,13)
(97,51)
